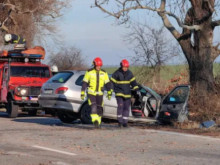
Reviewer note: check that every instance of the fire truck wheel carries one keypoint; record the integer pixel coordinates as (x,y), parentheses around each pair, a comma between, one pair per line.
(32,112)
(12,109)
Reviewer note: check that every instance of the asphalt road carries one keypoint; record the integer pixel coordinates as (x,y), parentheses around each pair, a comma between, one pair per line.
(46,141)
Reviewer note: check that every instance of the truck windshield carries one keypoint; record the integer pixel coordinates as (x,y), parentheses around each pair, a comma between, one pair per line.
(30,71)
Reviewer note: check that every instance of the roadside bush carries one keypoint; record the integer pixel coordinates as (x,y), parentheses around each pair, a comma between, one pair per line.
(204,108)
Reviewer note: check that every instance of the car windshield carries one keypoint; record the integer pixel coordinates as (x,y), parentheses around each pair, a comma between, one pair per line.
(29,71)
(61,77)
(153,92)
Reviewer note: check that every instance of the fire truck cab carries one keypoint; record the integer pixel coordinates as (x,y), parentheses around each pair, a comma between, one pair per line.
(21,76)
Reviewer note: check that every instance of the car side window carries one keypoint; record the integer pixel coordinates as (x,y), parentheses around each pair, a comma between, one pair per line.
(61,77)
(178,96)
(79,81)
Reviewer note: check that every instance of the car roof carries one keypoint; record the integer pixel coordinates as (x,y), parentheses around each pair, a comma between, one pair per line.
(74,71)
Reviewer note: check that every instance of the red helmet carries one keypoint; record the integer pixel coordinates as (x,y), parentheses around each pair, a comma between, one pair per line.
(125,63)
(97,61)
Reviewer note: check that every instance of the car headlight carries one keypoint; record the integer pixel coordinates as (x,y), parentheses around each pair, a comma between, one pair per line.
(21,91)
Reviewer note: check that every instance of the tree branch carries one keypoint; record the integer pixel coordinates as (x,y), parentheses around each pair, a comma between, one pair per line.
(139,6)
(2,25)
(166,21)
(215,23)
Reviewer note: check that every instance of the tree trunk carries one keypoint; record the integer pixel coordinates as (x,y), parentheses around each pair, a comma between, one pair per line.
(199,56)
(201,64)
(201,73)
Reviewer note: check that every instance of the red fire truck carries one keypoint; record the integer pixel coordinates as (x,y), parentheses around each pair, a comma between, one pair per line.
(21,76)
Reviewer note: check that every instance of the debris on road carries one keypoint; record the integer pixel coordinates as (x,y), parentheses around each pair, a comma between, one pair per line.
(208,124)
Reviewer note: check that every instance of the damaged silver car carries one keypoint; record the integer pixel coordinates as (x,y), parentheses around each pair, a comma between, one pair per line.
(61,95)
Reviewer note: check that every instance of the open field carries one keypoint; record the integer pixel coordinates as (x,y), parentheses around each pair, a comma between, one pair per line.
(167,72)
(168,77)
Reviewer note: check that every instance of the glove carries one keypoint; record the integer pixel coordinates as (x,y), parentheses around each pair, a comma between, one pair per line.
(83,95)
(138,93)
(109,96)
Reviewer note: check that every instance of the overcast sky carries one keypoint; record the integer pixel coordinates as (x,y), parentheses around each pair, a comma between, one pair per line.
(97,34)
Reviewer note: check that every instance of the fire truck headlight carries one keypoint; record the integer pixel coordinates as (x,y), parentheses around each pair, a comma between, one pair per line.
(23,92)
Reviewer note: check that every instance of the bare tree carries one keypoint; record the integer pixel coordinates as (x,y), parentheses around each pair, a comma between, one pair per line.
(151,46)
(68,58)
(30,17)
(152,49)
(197,20)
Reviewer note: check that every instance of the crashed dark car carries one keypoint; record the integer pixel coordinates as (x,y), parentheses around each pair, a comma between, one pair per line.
(174,106)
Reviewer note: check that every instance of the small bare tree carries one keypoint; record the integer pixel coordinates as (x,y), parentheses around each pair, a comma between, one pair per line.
(152,49)
(151,46)
(68,58)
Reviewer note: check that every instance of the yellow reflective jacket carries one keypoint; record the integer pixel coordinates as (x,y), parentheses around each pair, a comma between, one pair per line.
(95,81)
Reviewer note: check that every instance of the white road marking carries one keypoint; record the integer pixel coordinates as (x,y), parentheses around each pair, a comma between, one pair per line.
(54,150)
(184,134)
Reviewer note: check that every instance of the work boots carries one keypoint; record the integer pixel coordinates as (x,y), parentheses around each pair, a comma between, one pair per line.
(120,125)
(96,120)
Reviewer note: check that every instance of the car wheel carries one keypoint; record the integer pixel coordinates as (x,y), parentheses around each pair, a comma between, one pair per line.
(85,114)
(11,108)
(65,117)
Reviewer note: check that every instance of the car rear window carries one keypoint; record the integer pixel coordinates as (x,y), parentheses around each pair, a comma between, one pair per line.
(61,77)
(79,80)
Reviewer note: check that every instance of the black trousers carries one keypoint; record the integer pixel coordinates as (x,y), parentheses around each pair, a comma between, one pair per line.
(96,103)
(123,109)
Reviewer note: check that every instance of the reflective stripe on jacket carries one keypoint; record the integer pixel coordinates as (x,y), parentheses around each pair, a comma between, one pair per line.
(95,81)
(17,39)
(123,82)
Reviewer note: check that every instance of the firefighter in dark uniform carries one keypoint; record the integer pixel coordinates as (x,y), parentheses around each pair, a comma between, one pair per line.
(123,80)
(95,79)
(19,42)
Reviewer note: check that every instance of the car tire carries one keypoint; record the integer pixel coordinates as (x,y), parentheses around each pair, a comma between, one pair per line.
(66,117)
(85,114)
(11,108)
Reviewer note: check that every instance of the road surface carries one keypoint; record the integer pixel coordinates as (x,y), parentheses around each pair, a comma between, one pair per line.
(46,141)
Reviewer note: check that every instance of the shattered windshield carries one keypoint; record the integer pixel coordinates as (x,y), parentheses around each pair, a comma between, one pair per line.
(30,71)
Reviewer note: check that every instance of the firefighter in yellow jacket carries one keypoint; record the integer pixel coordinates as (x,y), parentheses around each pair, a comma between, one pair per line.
(95,79)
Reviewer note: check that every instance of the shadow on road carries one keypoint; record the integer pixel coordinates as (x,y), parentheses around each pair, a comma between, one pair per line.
(48,121)
(3,115)
(52,121)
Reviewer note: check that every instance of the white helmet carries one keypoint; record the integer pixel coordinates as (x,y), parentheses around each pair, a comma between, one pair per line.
(54,68)
(8,37)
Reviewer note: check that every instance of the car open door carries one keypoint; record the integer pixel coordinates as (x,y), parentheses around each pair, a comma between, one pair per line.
(174,106)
